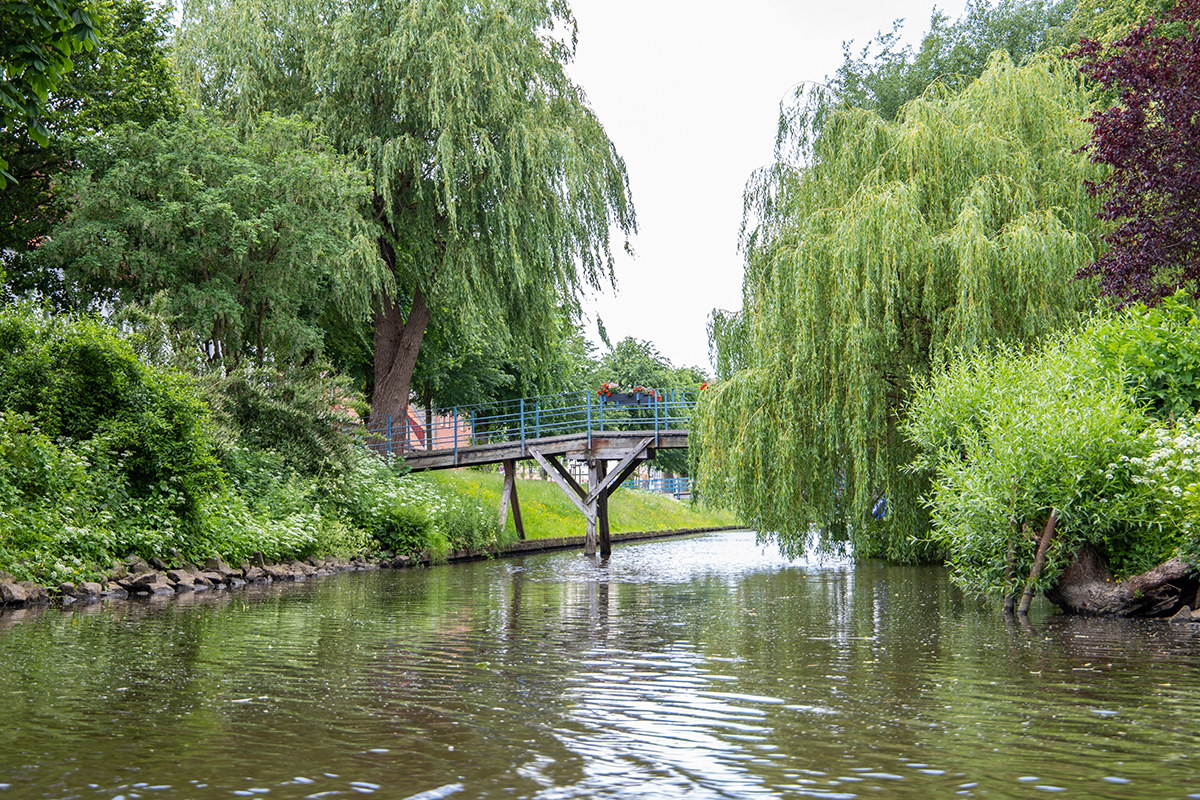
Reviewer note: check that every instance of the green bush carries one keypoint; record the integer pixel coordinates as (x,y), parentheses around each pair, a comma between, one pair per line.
(404,529)
(410,513)
(77,380)
(1008,436)
(1158,350)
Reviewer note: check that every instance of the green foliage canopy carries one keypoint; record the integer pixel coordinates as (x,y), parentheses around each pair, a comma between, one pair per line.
(884,76)
(37,40)
(495,185)
(898,245)
(248,236)
(126,78)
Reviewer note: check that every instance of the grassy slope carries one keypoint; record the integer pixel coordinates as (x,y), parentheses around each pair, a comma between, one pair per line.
(547,513)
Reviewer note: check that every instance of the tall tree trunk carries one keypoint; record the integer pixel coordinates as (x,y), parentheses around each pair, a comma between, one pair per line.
(397,343)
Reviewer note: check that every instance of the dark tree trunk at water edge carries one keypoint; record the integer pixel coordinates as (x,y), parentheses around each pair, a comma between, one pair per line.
(1086,587)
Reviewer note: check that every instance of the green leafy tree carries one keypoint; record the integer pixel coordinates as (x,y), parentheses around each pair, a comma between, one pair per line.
(37,40)
(127,77)
(495,185)
(1150,140)
(1109,21)
(637,362)
(884,76)
(900,244)
(248,237)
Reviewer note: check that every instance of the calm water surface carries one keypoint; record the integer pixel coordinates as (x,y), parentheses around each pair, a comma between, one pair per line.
(707,667)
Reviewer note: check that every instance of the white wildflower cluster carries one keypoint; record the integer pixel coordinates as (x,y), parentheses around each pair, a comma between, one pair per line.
(1171,469)
(380,492)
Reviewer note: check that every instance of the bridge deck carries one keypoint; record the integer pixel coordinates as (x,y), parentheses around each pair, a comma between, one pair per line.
(585,446)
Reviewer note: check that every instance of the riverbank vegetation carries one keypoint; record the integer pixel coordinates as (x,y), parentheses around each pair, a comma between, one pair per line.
(936,269)
(1087,444)
(210,283)
(104,455)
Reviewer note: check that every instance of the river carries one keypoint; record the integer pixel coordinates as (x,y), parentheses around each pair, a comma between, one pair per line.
(704,667)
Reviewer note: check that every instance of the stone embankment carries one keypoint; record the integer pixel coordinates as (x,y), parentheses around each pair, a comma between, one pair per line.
(1187,616)
(136,577)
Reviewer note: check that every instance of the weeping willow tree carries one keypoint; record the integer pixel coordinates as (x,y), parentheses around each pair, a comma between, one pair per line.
(894,246)
(495,186)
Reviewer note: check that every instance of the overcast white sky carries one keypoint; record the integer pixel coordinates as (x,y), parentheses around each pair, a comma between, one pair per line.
(689,92)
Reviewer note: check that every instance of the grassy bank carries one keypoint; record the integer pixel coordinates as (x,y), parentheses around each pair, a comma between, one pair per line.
(547,513)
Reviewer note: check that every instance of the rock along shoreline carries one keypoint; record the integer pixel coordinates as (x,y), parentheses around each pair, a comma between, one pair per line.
(135,578)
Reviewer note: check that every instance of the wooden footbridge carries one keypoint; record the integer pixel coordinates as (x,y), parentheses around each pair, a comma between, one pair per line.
(623,429)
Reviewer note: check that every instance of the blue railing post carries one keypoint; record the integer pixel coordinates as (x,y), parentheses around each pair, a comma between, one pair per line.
(589,419)
(389,434)
(522,424)
(456,434)
(601,415)
(472,427)
(537,420)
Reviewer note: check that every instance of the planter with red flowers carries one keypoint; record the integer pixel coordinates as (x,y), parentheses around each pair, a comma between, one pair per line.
(612,394)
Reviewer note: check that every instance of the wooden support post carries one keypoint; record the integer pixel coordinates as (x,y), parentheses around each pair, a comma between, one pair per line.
(605,540)
(506,492)
(620,473)
(569,485)
(516,509)
(594,478)
(594,501)
(509,497)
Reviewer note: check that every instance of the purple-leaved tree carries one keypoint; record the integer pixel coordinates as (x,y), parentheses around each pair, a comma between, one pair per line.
(1150,137)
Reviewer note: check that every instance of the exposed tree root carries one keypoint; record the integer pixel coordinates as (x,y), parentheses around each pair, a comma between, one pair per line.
(1086,587)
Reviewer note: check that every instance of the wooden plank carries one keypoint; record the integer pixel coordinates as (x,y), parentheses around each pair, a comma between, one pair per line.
(589,543)
(510,476)
(614,485)
(609,445)
(562,471)
(516,510)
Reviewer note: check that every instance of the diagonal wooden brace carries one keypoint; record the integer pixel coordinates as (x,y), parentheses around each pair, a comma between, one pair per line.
(565,482)
(619,472)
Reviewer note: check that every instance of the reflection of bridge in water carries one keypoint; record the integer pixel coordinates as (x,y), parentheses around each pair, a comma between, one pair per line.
(626,428)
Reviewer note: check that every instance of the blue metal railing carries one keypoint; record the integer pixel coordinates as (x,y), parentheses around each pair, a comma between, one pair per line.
(680,487)
(529,418)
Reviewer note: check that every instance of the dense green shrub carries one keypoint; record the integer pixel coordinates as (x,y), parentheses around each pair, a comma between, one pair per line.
(77,380)
(1158,349)
(1008,436)
(410,513)
(103,455)
(404,529)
